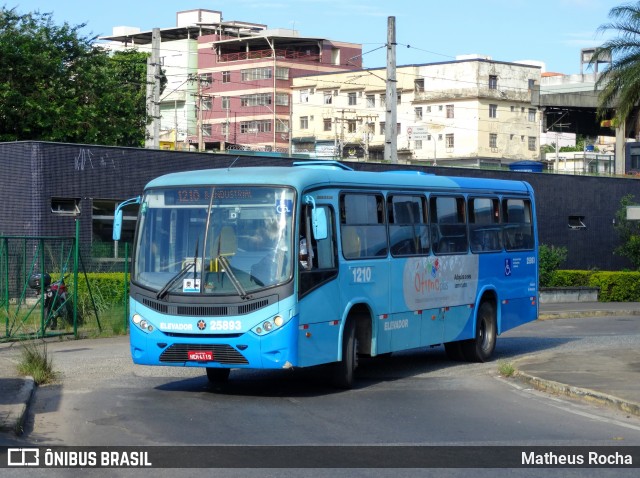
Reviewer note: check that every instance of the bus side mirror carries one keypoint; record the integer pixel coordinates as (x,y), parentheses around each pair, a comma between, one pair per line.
(117,225)
(117,217)
(319,223)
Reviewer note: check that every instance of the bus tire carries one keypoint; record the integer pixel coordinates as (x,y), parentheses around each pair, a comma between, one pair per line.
(454,351)
(343,371)
(217,375)
(481,347)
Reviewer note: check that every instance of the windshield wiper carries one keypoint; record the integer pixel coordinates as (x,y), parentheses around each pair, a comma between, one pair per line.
(232,277)
(167,287)
(174,280)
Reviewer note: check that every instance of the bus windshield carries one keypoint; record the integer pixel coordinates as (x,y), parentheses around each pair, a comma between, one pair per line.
(214,240)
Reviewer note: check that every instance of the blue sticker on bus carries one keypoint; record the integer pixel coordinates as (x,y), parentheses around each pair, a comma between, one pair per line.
(284,206)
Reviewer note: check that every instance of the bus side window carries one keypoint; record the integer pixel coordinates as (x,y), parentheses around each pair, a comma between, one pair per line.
(408,229)
(518,226)
(448,225)
(362,229)
(484,225)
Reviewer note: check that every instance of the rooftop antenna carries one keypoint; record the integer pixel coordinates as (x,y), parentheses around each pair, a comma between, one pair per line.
(234,162)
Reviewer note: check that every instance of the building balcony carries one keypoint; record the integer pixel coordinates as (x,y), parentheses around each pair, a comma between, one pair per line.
(265,54)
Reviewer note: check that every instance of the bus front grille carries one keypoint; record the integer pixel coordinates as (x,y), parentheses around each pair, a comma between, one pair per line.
(221,353)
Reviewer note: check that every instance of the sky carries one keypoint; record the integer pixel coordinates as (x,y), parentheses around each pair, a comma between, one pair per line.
(427,31)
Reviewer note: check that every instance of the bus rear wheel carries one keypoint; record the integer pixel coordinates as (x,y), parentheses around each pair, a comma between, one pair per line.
(217,375)
(342,373)
(481,347)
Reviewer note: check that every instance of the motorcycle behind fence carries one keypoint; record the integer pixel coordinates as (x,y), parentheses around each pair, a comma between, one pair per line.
(57,303)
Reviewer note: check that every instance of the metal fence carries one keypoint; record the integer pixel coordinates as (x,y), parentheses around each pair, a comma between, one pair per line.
(47,290)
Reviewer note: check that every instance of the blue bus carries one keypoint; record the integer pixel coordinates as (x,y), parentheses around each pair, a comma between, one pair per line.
(315,263)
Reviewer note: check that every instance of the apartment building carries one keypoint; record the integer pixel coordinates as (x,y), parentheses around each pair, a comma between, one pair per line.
(245,85)
(469,111)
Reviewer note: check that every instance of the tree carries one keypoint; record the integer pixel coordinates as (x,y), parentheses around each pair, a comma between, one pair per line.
(56,86)
(629,232)
(620,82)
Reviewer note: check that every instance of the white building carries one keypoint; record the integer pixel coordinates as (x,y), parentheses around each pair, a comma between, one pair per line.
(470,111)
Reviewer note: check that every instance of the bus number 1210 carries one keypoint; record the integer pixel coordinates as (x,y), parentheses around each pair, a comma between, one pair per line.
(362,275)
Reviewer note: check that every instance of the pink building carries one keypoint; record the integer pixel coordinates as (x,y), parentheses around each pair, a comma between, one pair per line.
(244,100)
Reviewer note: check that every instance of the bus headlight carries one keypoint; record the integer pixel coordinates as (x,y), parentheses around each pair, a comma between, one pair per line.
(269,325)
(142,323)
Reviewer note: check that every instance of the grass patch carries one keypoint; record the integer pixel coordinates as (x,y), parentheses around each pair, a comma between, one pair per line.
(506,369)
(36,362)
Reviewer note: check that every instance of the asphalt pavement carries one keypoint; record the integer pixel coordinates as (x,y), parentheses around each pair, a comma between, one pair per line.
(608,377)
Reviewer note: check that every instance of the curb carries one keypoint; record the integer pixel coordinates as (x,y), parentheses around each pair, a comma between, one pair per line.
(587,313)
(585,394)
(14,420)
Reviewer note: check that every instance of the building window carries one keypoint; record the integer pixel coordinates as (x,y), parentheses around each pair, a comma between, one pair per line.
(532,115)
(449,111)
(449,143)
(206,129)
(371,101)
(351,126)
(226,103)
(398,126)
(328,97)
(207,102)
(255,126)
(226,77)
(282,73)
(532,143)
(383,101)
(419,85)
(493,82)
(206,79)
(257,99)
(577,222)
(282,99)
(304,122)
(532,83)
(326,124)
(67,206)
(493,140)
(439,107)
(352,99)
(418,144)
(513,108)
(304,96)
(418,112)
(428,109)
(282,126)
(493,111)
(253,74)
(382,127)
(399,99)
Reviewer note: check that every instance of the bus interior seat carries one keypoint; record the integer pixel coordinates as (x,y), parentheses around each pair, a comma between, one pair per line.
(226,245)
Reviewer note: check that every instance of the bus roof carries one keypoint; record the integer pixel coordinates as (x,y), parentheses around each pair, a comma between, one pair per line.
(311,175)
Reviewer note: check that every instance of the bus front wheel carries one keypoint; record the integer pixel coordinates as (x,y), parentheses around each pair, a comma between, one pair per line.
(480,348)
(217,375)
(343,371)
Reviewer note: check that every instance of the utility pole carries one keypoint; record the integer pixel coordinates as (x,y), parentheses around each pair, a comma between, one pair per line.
(153,91)
(199,122)
(391,118)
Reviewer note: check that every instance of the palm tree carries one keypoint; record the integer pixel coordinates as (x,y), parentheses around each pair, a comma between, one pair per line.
(619,84)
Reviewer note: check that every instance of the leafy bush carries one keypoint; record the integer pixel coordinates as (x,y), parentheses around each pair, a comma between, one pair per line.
(564,278)
(549,260)
(617,286)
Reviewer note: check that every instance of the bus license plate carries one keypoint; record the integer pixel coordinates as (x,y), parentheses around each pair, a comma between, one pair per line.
(200,355)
